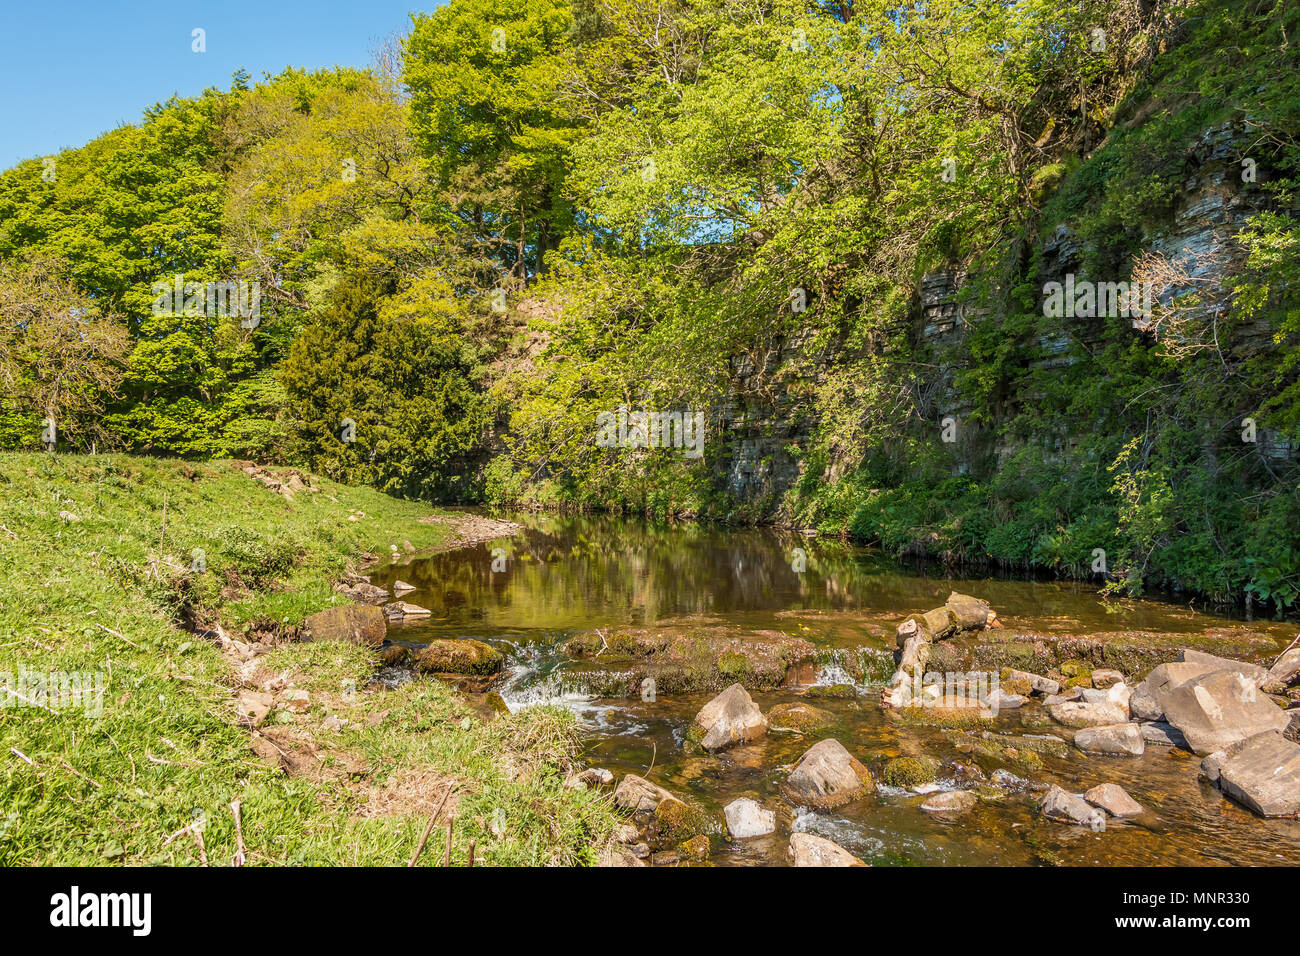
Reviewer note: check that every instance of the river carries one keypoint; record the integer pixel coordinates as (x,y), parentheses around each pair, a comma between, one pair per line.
(564,576)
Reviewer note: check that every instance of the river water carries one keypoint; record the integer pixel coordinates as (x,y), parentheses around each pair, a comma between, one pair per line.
(564,576)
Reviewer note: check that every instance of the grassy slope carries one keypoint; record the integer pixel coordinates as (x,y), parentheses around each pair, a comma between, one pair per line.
(167,746)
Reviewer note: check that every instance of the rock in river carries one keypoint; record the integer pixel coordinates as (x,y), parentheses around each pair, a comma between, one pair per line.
(1058,804)
(730,718)
(1263,774)
(809,850)
(1163,735)
(951,801)
(747,818)
(1038,684)
(827,776)
(797,717)
(636,793)
(1219,709)
(1083,714)
(686,659)
(1116,739)
(1114,799)
(459,656)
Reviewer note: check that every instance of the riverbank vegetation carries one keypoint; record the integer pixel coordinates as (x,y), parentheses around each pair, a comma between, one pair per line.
(532,212)
(103,579)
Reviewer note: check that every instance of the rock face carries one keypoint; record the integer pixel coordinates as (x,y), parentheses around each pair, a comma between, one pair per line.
(358,623)
(1083,714)
(730,718)
(951,801)
(1114,799)
(1058,804)
(746,818)
(1115,739)
(809,850)
(636,793)
(459,656)
(827,776)
(1219,709)
(1263,774)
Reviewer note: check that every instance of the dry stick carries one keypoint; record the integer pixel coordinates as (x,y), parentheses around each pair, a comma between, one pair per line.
(446,856)
(428,827)
(162,534)
(197,833)
(241,856)
(81,775)
(471,853)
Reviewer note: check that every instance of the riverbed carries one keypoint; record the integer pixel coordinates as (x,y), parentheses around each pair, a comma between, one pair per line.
(566,576)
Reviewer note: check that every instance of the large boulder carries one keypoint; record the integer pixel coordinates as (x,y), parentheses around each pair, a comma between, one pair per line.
(459,656)
(807,849)
(1148,699)
(1221,708)
(1263,774)
(1212,662)
(357,623)
(827,776)
(1116,739)
(746,818)
(730,718)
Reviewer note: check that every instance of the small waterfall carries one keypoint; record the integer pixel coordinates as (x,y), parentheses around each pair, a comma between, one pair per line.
(863,667)
(540,673)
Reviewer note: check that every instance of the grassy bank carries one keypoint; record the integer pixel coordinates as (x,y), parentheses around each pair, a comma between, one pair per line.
(100,577)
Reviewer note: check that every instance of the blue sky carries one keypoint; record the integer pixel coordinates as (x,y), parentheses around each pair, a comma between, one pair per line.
(72,69)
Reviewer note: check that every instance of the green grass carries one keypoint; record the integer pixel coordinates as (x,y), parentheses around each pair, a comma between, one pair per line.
(112,593)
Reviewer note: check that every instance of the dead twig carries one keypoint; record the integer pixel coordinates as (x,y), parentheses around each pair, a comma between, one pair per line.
(241,855)
(428,827)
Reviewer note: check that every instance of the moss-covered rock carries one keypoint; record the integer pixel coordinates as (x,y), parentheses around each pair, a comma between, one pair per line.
(696,848)
(687,659)
(831,691)
(459,656)
(678,821)
(909,772)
